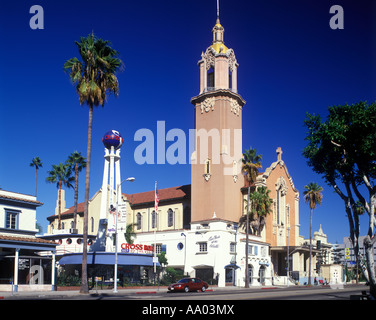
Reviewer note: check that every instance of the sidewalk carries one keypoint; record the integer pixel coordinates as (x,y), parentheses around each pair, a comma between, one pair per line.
(64,294)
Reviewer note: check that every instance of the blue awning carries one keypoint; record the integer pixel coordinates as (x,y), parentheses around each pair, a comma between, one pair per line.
(232,266)
(131,259)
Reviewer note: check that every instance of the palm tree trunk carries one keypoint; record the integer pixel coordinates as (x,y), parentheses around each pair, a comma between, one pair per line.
(310,250)
(59,205)
(246,242)
(36,179)
(75,195)
(84,285)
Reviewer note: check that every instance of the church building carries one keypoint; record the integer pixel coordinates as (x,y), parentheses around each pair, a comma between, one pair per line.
(197,225)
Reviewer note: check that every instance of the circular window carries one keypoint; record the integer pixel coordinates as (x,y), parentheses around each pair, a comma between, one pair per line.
(69,241)
(180,246)
(78,241)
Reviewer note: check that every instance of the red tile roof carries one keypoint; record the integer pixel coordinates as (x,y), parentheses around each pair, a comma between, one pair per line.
(80,208)
(181,192)
(26,239)
(21,199)
(172,193)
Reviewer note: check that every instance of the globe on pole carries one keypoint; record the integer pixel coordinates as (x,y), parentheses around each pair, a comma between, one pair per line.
(112,139)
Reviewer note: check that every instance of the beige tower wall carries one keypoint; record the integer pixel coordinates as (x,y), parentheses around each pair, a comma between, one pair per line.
(218,193)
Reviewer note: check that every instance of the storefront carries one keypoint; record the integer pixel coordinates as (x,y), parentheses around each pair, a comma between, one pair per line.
(26,264)
(133,267)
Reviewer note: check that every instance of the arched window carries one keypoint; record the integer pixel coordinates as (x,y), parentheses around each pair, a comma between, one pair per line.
(139,221)
(153,219)
(207,166)
(210,77)
(207,169)
(229,79)
(170,217)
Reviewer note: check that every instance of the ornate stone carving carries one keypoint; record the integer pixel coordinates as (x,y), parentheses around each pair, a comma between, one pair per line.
(231,61)
(281,184)
(235,107)
(207,104)
(209,59)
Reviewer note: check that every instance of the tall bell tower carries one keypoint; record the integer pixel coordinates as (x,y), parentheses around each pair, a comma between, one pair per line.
(216,160)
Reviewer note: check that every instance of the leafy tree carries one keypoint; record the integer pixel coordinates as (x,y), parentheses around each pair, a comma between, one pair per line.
(313,197)
(37,163)
(61,175)
(251,162)
(94,78)
(76,162)
(162,258)
(129,233)
(39,228)
(342,150)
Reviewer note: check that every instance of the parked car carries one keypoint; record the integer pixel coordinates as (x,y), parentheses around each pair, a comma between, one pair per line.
(188,284)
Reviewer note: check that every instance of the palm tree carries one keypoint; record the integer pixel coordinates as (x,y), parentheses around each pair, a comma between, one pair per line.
(61,175)
(313,197)
(261,206)
(94,78)
(77,162)
(251,163)
(37,163)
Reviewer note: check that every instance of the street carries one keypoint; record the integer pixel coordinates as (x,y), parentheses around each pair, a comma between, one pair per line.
(213,294)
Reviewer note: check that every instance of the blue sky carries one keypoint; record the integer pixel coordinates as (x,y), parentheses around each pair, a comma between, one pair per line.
(290,62)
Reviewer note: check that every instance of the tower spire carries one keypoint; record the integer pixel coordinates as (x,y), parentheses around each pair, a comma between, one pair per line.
(217,9)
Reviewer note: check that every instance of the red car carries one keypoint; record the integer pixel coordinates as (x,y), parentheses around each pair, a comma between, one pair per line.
(188,284)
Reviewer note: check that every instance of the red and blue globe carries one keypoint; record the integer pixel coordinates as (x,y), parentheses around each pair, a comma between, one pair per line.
(112,139)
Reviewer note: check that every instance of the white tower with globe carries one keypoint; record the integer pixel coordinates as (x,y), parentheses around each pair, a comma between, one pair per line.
(111,185)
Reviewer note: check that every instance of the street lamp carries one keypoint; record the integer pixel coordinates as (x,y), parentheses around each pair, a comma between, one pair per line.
(236,227)
(131,179)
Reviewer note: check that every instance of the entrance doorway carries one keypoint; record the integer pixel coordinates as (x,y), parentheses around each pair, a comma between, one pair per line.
(205,274)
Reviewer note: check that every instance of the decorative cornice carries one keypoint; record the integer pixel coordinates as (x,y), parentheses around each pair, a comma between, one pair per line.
(216,93)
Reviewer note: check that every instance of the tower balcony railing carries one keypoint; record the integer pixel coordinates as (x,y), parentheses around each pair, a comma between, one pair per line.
(208,89)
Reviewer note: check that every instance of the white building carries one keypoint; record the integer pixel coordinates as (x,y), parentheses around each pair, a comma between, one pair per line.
(26,262)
